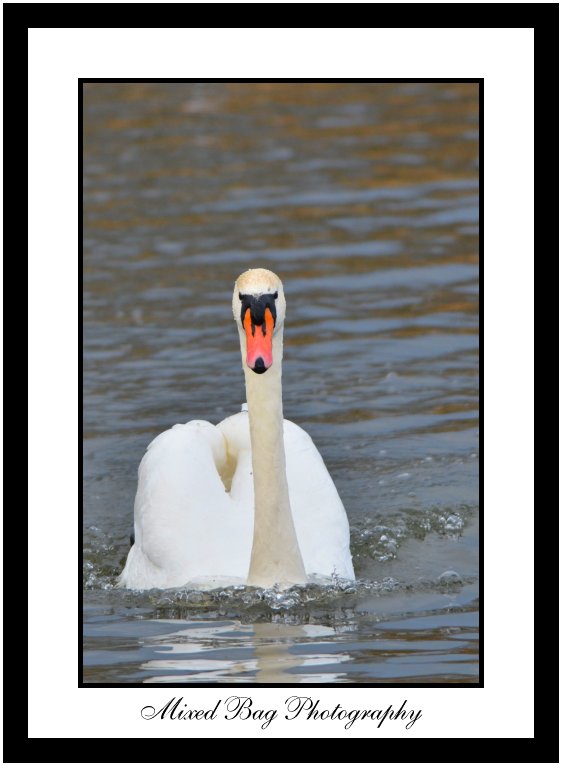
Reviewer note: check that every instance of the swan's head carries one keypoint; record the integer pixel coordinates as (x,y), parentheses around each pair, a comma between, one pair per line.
(258,304)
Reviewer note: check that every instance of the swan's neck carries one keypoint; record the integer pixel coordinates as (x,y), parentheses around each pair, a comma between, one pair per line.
(276,557)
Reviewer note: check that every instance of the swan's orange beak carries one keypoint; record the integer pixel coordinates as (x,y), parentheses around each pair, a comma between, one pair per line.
(259,351)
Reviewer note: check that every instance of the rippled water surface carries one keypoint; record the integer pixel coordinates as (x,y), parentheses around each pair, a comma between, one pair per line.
(364,198)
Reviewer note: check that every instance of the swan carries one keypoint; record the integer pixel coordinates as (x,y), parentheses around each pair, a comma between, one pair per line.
(248,501)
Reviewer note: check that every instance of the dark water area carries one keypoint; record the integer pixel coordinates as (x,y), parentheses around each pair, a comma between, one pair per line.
(364,199)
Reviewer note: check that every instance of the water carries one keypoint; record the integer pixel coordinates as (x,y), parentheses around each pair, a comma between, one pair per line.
(364,198)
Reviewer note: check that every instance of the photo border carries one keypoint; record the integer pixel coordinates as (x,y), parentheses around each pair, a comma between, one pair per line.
(505,709)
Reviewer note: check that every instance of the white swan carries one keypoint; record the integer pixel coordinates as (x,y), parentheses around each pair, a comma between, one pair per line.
(249,500)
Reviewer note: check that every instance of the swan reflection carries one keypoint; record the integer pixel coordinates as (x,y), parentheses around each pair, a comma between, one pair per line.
(273,652)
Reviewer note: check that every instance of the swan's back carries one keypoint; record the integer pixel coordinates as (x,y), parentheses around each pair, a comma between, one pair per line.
(194,508)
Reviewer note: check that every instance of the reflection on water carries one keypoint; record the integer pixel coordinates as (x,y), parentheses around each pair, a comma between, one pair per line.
(270,643)
(362,644)
(364,198)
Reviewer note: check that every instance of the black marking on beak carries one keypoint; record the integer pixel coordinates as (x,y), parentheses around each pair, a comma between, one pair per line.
(257,306)
(259,366)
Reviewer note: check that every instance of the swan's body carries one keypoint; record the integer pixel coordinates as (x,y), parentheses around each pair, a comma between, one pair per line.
(248,501)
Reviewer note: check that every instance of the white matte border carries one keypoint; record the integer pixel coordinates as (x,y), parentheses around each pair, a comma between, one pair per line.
(57,57)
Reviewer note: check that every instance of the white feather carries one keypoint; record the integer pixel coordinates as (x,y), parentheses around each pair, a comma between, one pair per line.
(190,530)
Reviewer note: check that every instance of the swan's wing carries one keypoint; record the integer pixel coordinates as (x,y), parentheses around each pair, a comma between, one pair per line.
(320,518)
(238,471)
(186,525)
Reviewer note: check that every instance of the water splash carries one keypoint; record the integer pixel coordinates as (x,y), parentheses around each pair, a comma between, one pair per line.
(370,542)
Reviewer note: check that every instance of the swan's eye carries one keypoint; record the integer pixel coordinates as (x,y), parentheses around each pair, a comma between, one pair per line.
(275,295)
